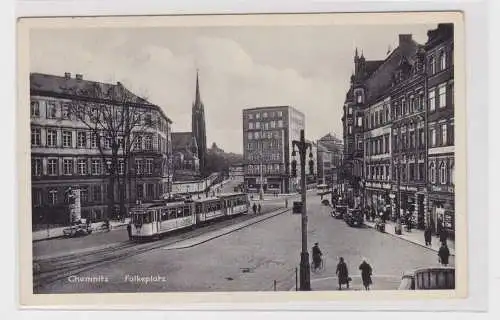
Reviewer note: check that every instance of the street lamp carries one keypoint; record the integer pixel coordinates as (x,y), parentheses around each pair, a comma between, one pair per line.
(261,187)
(110,189)
(302,146)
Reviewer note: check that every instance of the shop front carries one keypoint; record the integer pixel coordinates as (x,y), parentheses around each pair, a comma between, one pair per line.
(442,210)
(411,201)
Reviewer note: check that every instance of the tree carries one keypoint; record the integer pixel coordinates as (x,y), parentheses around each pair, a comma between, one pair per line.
(117,120)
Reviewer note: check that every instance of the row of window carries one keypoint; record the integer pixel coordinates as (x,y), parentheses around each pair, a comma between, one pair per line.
(265,114)
(96,193)
(265,157)
(441,172)
(254,146)
(70,166)
(255,135)
(73,111)
(408,140)
(266,168)
(85,139)
(439,62)
(442,134)
(265,125)
(378,145)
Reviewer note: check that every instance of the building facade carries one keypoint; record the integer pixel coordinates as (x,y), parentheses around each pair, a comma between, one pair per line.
(268,133)
(329,158)
(67,152)
(406,105)
(440,109)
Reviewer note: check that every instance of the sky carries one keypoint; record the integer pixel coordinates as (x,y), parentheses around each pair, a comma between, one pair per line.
(307,67)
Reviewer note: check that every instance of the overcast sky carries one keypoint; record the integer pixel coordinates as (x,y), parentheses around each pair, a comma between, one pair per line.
(240,67)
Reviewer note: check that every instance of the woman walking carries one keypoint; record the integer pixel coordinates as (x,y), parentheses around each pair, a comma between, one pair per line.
(366,274)
(342,273)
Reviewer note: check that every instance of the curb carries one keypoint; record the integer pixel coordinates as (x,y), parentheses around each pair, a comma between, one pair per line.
(408,240)
(117,227)
(271,215)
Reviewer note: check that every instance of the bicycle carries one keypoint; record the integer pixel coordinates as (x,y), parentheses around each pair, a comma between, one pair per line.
(320,267)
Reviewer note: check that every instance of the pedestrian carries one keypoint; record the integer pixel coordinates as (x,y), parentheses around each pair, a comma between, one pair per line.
(254,207)
(259,208)
(129,231)
(366,274)
(342,273)
(428,236)
(444,254)
(443,235)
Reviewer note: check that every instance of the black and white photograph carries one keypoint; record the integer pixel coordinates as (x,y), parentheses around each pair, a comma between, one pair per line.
(193,157)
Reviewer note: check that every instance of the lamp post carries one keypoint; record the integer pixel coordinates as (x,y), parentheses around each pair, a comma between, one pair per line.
(261,188)
(110,189)
(302,146)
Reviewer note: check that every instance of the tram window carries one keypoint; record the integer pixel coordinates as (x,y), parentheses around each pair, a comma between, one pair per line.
(171,214)
(198,208)
(164,215)
(186,211)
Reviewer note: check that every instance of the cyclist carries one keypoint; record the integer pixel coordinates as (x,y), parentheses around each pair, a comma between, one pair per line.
(316,255)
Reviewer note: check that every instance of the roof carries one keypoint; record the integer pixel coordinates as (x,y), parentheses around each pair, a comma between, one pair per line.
(53,85)
(381,78)
(372,66)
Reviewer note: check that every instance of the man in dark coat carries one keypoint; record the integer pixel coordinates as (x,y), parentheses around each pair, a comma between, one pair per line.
(254,207)
(428,236)
(316,255)
(366,274)
(259,208)
(342,273)
(444,254)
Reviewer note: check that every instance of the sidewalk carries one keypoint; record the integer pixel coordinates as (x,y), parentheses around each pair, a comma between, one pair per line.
(416,236)
(54,233)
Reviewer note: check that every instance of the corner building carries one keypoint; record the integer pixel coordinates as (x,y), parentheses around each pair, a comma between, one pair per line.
(440,108)
(268,133)
(398,114)
(65,153)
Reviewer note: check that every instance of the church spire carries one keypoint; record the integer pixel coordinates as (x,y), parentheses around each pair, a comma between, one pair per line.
(197,101)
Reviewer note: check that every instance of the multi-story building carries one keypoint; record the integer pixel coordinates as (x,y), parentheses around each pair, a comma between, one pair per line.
(406,101)
(268,133)
(329,157)
(67,152)
(440,108)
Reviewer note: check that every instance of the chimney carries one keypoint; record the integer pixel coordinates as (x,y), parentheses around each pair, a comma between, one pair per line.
(67,75)
(79,76)
(404,39)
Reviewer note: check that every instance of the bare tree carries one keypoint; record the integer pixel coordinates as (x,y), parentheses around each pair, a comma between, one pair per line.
(116,119)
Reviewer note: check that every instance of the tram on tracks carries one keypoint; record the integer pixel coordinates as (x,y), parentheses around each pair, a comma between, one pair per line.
(156,219)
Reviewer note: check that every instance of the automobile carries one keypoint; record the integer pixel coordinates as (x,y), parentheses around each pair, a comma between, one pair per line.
(433,278)
(339,211)
(325,202)
(77,229)
(354,217)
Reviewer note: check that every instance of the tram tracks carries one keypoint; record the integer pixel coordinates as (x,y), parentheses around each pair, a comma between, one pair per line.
(50,270)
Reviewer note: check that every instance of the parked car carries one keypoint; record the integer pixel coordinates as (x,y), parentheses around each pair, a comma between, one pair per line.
(339,211)
(434,278)
(77,230)
(354,217)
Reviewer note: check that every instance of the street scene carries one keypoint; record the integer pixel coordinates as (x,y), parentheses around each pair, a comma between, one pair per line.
(228,159)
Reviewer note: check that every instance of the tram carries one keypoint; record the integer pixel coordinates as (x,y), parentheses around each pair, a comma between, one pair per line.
(156,219)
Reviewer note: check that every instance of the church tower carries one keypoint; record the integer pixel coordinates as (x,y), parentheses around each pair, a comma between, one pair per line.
(198,126)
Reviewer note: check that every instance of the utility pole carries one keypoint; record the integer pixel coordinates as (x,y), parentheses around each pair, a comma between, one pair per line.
(305,271)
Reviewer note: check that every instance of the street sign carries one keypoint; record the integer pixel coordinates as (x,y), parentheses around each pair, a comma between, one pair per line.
(297,207)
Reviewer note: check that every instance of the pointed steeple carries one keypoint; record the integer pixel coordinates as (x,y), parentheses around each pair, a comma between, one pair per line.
(197,101)
(356,53)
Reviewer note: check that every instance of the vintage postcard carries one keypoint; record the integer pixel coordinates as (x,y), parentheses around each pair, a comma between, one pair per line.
(241,158)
